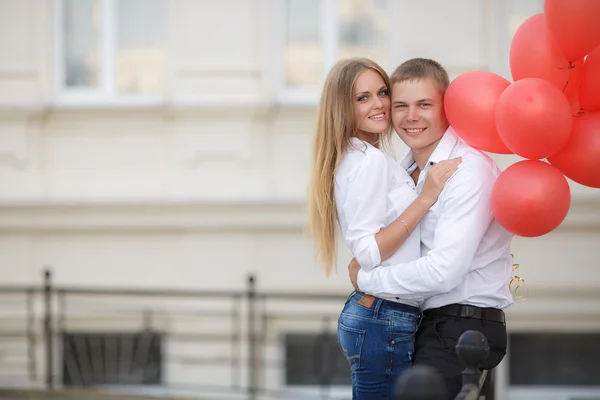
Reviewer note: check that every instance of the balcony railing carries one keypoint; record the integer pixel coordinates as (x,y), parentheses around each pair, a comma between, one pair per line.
(245,344)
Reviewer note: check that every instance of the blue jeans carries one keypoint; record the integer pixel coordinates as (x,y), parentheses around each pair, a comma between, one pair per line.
(378,339)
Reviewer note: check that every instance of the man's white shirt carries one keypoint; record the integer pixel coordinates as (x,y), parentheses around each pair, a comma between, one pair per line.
(465,252)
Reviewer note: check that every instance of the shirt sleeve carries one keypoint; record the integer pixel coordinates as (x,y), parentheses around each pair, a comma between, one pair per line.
(365,207)
(465,215)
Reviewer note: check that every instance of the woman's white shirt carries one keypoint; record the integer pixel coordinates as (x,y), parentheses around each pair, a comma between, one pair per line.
(371,191)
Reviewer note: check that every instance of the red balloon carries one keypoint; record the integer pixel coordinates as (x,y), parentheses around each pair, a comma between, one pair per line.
(470,103)
(574,25)
(589,88)
(579,160)
(531,198)
(533,118)
(534,54)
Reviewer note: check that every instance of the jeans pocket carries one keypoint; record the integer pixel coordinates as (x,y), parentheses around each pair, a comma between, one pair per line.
(402,329)
(401,337)
(351,341)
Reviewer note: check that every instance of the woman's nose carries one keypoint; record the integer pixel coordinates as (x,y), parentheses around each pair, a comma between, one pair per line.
(377,103)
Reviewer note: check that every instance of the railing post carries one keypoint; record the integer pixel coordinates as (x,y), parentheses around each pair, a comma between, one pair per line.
(472,349)
(48,329)
(252,373)
(420,382)
(425,383)
(31,364)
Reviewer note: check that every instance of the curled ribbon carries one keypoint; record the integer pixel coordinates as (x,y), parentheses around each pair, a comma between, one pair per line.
(517,281)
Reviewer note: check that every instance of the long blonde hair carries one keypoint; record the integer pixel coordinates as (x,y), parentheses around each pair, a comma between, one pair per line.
(335,127)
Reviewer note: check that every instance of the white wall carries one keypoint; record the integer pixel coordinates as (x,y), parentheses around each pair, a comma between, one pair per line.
(218,141)
(209,185)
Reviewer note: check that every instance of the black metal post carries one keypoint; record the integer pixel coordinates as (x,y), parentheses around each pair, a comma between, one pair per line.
(48,329)
(425,383)
(252,373)
(472,349)
(31,365)
(420,382)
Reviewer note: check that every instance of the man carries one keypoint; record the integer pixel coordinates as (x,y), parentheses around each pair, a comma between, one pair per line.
(465,262)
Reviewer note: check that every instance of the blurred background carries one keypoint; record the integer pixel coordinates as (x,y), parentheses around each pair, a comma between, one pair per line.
(154,155)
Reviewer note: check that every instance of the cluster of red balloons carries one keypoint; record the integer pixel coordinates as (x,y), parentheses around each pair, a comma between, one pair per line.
(551,111)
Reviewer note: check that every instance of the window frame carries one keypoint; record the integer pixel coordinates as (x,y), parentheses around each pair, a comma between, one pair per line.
(105,95)
(292,390)
(330,42)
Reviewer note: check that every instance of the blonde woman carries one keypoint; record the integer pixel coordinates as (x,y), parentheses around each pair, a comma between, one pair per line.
(359,190)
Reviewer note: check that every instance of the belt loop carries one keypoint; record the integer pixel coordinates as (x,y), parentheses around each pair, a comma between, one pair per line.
(458,312)
(483,316)
(378,303)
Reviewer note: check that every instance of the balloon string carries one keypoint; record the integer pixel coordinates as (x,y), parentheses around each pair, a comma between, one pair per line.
(518,281)
(570,68)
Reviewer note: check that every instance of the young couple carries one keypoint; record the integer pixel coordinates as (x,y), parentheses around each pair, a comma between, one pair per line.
(430,261)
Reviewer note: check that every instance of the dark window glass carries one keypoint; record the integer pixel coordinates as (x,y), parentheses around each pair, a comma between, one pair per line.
(555,359)
(315,359)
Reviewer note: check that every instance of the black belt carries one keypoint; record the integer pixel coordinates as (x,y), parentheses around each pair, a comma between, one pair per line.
(465,311)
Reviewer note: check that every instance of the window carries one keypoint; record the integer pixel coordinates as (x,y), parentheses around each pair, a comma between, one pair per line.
(552,365)
(110,50)
(91,359)
(508,16)
(553,359)
(314,360)
(317,33)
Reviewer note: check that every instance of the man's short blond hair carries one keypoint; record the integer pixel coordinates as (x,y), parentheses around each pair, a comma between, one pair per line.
(421,68)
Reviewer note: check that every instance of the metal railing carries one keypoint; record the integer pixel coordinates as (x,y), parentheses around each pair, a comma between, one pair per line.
(424,383)
(237,340)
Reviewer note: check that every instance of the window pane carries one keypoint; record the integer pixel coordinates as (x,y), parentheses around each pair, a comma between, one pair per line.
(141,353)
(315,360)
(303,50)
(140,56)
(512,13)
(81,25)
(554,359)
(363,30)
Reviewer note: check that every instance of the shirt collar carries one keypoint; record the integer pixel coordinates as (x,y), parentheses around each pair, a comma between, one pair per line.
(443,151)
(360,144)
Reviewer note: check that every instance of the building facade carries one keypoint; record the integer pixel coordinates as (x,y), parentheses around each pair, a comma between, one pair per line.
(166,143)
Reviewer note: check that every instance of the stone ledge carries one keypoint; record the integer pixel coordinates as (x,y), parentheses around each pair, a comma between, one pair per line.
(178,215)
